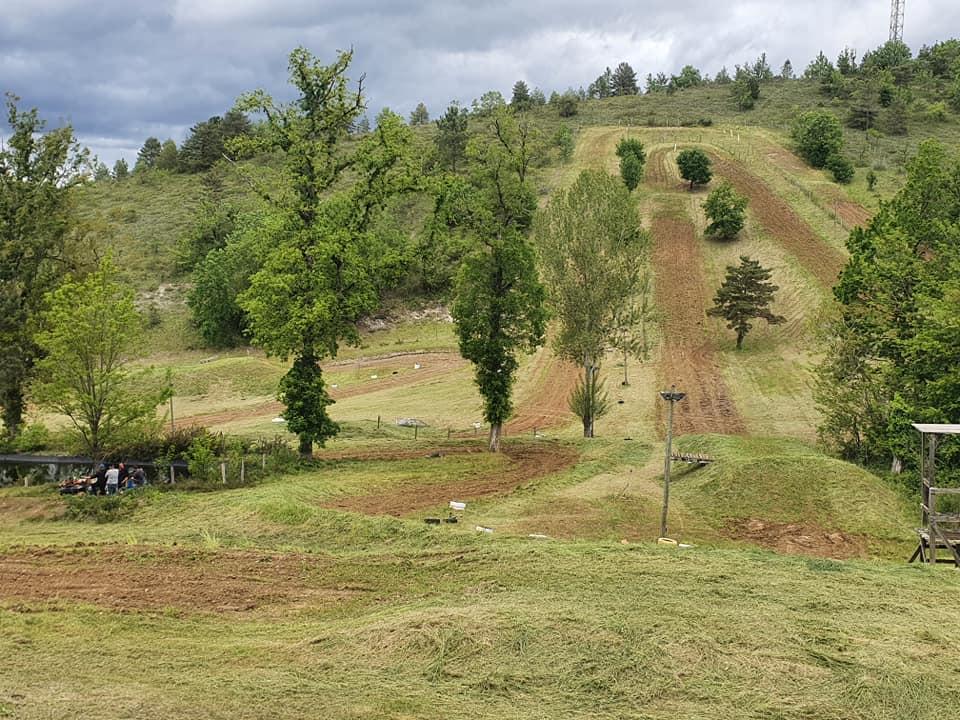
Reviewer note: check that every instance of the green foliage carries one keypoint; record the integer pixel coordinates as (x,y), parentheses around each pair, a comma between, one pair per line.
(489,102)
(871,180)
(893,55)
(589,400)
(818,135)
(632,158)
(592,255)
(841,168)
(725,210)
(323,269)
(149,155)
(520,99)
(121,170)
(565,142)
(745,294)
(499,301)
(169,157)
(786,72)
(201,458)
(90,333)
(35,436)
(213,222)
(451,138)
(892,350)
(38,241)
(419,115)
(624,80)
(819,68)
(304,393)
(602,87)
(694,166)
(745,89)
(689,77)
(208,141)
(102,510)
(567,105)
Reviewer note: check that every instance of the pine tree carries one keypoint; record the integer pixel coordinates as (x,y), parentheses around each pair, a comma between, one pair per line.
(744,295)
(624,80)
(419,116)
(451,140)
(148,155)
(120,169)
(786,72)
(169,158)
(521,96)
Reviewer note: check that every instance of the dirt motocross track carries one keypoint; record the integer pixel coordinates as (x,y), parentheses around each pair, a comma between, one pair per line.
(688,354)
(130,578)
(526,463)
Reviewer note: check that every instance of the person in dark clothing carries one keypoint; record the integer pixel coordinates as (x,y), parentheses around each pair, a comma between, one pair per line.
(139,477)
(101,475)
(124,472)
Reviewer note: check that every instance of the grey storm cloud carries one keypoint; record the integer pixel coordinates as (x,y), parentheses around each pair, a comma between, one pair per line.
(122,70)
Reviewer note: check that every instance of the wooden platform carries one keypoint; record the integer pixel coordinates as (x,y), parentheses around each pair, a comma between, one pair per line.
(927,552)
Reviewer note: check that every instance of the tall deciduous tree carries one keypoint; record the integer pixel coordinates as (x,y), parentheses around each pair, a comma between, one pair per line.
(745,295)
(169,158)
(694,166)
(498,299)
(322,273)
(38,241)
(452,136)
(593,252)
(90,334)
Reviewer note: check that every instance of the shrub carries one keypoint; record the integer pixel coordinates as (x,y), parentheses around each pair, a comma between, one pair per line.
(35,436)
(817,135)
(841,168)
(725,210)
(100,509)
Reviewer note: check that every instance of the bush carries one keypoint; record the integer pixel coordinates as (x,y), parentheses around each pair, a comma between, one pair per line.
(33,437)
(725,210)
(104,509)
(201,458)
(817,135)
(694,166)
(841,168)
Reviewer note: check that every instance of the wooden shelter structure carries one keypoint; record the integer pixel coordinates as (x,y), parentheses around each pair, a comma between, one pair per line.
(940,530)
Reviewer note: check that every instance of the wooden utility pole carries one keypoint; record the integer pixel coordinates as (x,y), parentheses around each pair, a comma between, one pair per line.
(671,396)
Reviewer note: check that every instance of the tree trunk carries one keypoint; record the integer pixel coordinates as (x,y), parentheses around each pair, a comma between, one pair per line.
(625,381)
(589,378)
(495,430)
(306,448)
(740,336)
(896,465)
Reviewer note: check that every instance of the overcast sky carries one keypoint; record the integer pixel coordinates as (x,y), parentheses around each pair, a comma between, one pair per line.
(122,70)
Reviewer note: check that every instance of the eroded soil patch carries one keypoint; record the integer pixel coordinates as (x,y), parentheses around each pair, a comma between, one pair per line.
(526,463)
(156,578)
(798,538)
(547,406)
(688,356)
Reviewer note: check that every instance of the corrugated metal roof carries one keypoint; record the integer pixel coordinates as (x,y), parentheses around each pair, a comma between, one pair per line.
(931,428)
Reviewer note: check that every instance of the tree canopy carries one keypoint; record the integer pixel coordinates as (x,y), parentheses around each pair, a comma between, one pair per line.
(624,80)
(323,271)
(694,166)
(744,295)
(632,158)
(39,241)
(592,253)
(725,211)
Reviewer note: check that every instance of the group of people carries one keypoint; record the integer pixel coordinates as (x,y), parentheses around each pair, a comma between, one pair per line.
(110,479)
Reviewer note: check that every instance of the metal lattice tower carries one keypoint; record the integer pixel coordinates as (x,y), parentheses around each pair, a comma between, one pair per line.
(896,19)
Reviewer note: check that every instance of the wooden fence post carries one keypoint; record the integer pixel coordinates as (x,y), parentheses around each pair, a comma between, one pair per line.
(223,472)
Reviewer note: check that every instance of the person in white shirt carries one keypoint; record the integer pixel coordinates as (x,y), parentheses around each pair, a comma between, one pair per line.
(113,480)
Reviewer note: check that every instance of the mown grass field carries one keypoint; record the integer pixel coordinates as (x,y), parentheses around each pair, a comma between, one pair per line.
(322,591)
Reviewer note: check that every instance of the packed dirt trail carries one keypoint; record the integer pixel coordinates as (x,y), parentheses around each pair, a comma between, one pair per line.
(525,463)
(688,357)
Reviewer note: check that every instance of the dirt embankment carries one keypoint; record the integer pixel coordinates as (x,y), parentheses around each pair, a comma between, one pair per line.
(129,578)
(526,463)
(547,406)
(688,358)
(799,539)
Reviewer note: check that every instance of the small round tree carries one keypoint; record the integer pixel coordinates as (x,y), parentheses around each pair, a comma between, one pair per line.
(725,209)
(694,166)
(817,135)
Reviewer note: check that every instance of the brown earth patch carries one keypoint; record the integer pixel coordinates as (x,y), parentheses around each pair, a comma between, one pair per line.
(659,173)
(526,463)
(434,364)
(547,405)
(783,224)
(129,578)
(688,358)
(14,509)
(798,539)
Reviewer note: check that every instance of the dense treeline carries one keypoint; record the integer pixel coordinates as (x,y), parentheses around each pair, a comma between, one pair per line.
(894,343)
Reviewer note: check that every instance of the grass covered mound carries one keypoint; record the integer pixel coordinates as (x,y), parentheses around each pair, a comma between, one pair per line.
(758,489)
